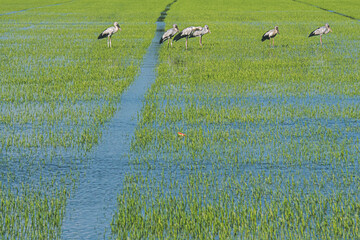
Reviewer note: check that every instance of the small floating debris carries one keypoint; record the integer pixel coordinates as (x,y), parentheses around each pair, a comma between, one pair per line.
(180,134)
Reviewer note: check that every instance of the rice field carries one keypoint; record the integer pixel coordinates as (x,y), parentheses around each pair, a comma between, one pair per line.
(271,145)
(59,87)
(272,134)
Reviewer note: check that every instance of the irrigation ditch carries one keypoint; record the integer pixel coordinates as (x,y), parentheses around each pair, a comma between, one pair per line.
(90,209)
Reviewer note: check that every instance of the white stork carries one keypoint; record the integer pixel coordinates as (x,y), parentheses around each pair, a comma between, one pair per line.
(169,34)
(109,32)
(200,33)
(270,34)
(320,31)
(186,34)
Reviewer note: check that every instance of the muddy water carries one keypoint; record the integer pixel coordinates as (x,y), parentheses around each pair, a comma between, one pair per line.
(89,211)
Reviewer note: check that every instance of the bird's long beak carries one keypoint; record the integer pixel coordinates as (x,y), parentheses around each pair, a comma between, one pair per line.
(209,31)
(330,29)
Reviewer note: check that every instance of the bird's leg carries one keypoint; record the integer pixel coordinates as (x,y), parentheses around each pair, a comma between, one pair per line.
(270,42)
(168,42)
(273,42)
(186,43)
(200,41)
(171,42)
(320,40)
(110,41)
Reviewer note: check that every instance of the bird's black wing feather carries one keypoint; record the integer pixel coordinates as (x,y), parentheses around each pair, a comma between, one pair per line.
(103,35)
(265,37)
(312,33)
(178,37)
(163,39)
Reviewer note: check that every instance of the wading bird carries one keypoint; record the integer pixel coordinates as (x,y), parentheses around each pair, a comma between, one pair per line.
(200,33)
(320,31)
(186,34)
(109,32)
(270,34)
(169,34)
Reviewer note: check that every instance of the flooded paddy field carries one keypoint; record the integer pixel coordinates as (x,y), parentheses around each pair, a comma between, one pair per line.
(272,133)
(271,145)
(60,86)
